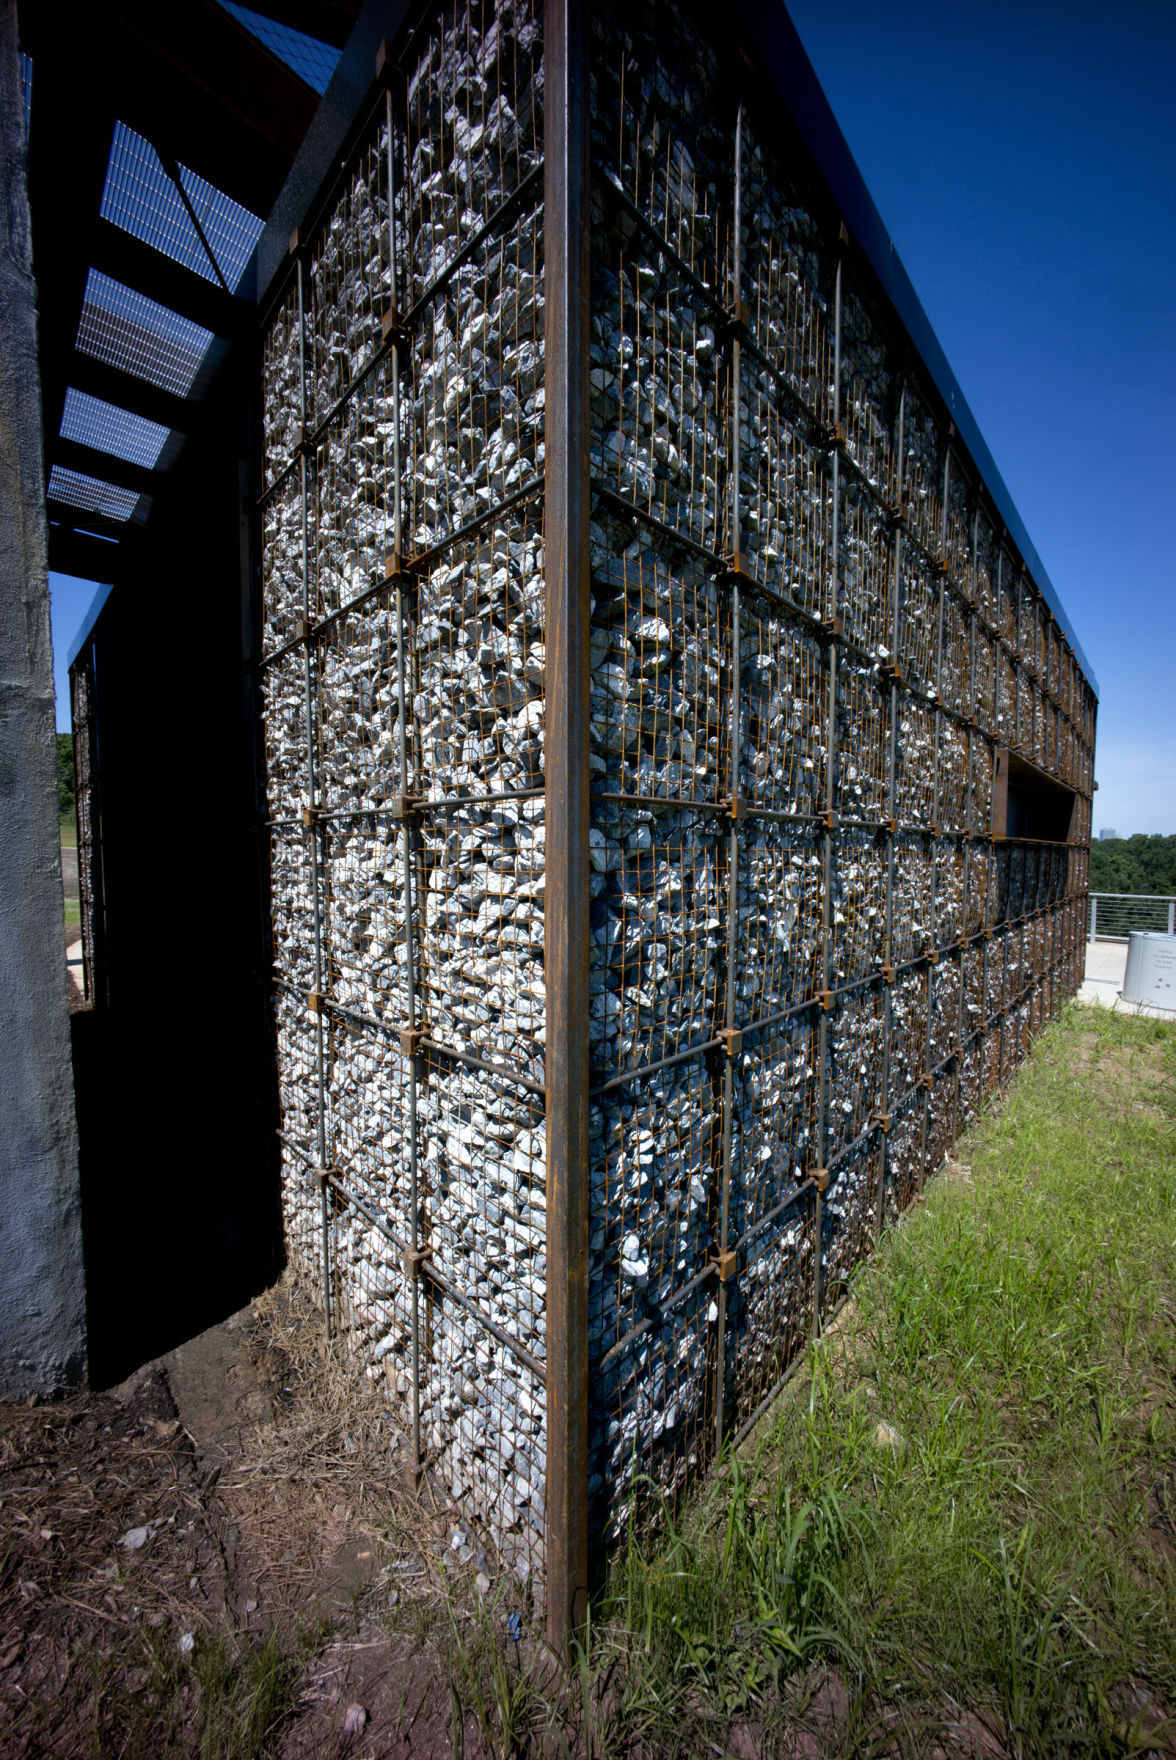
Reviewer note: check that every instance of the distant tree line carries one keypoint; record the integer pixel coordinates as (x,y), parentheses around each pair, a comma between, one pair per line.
(65,773)
(1133,864)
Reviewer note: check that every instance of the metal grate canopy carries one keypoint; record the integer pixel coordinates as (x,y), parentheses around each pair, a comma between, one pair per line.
(142,198)
(158,137)
(92,422)
(311,60)
(91,496)
(125,329)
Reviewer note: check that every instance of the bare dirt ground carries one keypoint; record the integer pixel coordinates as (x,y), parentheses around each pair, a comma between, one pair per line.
(225,1557)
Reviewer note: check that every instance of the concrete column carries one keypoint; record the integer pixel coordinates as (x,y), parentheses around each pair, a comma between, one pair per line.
(42,1288)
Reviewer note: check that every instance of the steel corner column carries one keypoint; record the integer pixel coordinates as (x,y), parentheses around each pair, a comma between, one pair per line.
(566,922)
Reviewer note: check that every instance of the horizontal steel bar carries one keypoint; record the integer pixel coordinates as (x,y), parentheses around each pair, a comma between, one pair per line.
(437,803)
(1137,897)
(651,1321)
(649,1069)
(532,489)
(493,1068)
(427,1043)
(716,562)
(517,198)
(429,1270)
(774,1214)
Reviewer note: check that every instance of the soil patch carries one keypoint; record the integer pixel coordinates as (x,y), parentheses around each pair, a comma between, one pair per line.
(225,1556)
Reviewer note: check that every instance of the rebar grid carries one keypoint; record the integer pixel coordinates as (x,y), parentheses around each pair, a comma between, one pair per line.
(800,843)
(810,643)
(403,686)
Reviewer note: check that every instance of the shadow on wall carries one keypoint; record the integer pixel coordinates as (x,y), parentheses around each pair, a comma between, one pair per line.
(180,1227)
(173,1070)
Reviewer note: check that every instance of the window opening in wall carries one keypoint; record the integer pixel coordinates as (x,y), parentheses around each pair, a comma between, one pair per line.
(1028,804)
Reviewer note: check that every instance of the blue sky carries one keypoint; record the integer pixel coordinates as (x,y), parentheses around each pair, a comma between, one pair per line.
(1023,158)
(69,600)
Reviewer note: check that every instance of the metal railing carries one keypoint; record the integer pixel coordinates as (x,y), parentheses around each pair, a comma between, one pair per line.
(1114,915)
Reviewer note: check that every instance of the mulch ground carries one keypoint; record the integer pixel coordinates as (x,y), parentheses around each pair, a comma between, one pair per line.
(151,1571)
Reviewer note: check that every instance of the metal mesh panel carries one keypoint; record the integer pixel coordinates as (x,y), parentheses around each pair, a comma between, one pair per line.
(310,59)
(863,745)
(660,435)
(809,957)
(403,667)
(903,1151)
(796,602)
(908,1032)
(945,985)
(125,329)
(770,1312)
(92,422)
(89,495)
(140,196)
(657,652)
(657,934)
(849,1217)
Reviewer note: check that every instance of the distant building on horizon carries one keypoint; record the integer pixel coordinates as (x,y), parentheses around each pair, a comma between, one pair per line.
(1109,832)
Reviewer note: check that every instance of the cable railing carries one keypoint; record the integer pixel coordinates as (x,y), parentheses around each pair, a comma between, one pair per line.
(1116,915)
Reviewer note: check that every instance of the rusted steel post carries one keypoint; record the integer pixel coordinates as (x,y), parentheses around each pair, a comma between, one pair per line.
(566,922)
(735,778)
(311,820)
(823,1052)
(892,779)
(405,784)
(936,781)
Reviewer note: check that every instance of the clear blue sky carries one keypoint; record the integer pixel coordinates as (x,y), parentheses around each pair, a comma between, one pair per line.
(69,600)
(1023,158)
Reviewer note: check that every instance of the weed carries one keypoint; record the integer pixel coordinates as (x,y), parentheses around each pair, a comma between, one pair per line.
(245,1697)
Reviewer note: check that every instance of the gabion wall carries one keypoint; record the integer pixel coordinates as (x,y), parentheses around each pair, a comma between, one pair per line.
(402,674)
(810,959)
(84,721)
(810,639)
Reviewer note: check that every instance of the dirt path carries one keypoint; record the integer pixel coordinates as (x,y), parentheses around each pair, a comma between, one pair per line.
(223,1557)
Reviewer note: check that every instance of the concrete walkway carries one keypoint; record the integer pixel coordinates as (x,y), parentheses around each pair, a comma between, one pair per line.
(1106,967)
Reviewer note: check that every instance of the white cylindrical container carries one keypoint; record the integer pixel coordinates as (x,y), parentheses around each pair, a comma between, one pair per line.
(1151,970)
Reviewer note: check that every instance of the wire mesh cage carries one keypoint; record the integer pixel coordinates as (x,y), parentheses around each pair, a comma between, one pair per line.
(807,650)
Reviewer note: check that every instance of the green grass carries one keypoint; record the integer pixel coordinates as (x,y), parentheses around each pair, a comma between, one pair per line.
(230,1701)
(1007,1559)
(69,829)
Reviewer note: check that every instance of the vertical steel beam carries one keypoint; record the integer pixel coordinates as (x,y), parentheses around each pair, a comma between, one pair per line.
(892,764)
(566,919)
(406,823)
(823,1053)
(732,955)
(937,777)
(312,828)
